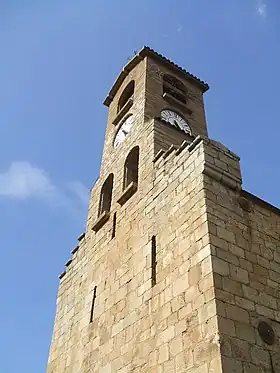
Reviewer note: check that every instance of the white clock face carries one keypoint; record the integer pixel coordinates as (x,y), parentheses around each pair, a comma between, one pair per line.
(175,120)
(123,131)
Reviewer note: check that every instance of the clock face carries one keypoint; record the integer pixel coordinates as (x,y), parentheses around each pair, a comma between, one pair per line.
(175,120)
(123,131)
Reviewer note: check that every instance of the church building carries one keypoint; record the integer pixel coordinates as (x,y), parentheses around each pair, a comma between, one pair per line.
(178,270)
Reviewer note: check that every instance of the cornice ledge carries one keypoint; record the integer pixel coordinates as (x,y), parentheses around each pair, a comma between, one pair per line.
(169,151)
(182,147)
(185,145)
(101,221)
(195,142)
(75,250)
(67,264)
(260,202)
(81,236)
(158,155)
(123,111)
(222,176)
(127,193)
(62,275)
(221,147)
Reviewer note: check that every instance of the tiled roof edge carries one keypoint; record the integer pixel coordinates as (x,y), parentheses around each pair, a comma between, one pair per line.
(147,51)
(260,202)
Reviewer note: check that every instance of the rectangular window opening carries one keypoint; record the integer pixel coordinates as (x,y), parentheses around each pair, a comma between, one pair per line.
(174,93)
(114,225)
(154,261)
(92,305)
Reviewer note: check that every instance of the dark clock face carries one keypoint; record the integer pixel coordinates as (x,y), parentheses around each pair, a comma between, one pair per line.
(123,131)
(175,120)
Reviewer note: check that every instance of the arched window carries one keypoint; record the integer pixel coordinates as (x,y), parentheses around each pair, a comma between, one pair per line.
(131,168)
(174,87)
(128,93)
(106,195)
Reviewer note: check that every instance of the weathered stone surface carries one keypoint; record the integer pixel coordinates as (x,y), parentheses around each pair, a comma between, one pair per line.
(216,266)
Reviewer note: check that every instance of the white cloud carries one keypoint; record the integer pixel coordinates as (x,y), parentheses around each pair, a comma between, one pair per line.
(180,28)
(261,7)
(80,190)
(23,180)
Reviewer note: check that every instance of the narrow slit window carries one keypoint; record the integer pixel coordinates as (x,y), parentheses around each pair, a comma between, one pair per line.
(114,225)
(154,261)
(92,304)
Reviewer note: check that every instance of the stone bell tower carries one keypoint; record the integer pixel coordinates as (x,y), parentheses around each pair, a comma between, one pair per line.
(179,267)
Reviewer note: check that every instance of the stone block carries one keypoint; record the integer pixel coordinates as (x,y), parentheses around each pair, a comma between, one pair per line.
(220,266)
(206,283)
(181,284)
(215,365)
(163,353)
(239,274)
(245,332)
(231,365)
(195,274)
(231,286)
(245,303)
(240,349)
(260,357)
(207,311)
(176,346)
(237,314)
(226,235)
(226,326)
(166,335)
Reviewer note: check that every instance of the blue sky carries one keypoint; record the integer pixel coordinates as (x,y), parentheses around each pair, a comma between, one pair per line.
(58,60)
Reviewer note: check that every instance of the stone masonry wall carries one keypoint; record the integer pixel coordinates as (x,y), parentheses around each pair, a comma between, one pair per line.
(217,256)
(245,249)
(136,327)
(184,266)
(217,276)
